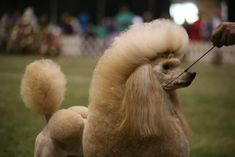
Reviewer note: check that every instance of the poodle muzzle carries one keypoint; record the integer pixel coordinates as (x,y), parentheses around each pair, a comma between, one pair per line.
(183,81)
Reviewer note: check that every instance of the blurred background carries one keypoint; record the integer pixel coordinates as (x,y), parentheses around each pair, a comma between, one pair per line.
(75,33)
(87,27)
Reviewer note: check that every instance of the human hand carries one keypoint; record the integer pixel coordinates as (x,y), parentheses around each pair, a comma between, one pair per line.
(224,34)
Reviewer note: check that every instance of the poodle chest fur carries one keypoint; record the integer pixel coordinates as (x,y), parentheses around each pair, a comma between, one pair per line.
(104,141)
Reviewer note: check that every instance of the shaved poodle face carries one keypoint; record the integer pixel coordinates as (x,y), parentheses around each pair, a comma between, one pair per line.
(167,70)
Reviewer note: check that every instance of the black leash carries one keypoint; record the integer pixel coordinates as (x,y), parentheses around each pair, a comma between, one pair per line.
(191,65)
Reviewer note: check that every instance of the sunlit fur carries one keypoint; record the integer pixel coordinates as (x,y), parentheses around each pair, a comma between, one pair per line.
(130,114)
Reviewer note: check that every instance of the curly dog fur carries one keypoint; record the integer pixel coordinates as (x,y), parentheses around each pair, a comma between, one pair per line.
(42,90)
(133,110)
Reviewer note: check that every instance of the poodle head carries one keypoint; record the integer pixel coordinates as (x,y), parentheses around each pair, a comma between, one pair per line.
(160,43)
(149,103)
(169,74)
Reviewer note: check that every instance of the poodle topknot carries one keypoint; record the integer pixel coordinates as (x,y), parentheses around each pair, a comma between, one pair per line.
(153,39)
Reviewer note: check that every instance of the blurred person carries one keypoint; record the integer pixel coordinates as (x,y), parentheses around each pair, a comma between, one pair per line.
(195,30)
(124,18)
(209,26)
(215,21)
(101,29)
(84,20)
(7,23)
(22,37)
(66,24)
(48,42)
(4,31)
(29,17)
(112,27)
(75,25)
(224,34)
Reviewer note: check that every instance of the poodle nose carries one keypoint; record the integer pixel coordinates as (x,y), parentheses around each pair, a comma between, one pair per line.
(192,74)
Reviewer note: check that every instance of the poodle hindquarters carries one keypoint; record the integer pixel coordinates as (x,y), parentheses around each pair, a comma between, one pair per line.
(42,90)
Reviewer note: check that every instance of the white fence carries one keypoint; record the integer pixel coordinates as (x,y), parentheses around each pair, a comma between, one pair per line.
(80,46)
(93,47)
(71,45)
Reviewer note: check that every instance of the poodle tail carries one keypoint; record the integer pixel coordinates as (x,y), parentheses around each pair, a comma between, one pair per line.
(43,87)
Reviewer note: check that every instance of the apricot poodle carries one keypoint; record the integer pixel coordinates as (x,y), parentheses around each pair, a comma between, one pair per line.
(133,109)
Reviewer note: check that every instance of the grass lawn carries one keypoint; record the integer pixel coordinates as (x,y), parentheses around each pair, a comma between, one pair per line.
(209,105)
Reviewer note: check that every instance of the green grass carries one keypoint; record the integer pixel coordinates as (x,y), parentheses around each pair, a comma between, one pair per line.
(209,105)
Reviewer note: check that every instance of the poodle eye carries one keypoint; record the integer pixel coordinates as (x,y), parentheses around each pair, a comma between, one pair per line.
(166,66)
(170,64)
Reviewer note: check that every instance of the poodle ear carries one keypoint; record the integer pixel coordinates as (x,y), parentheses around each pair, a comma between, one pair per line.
(143,108)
